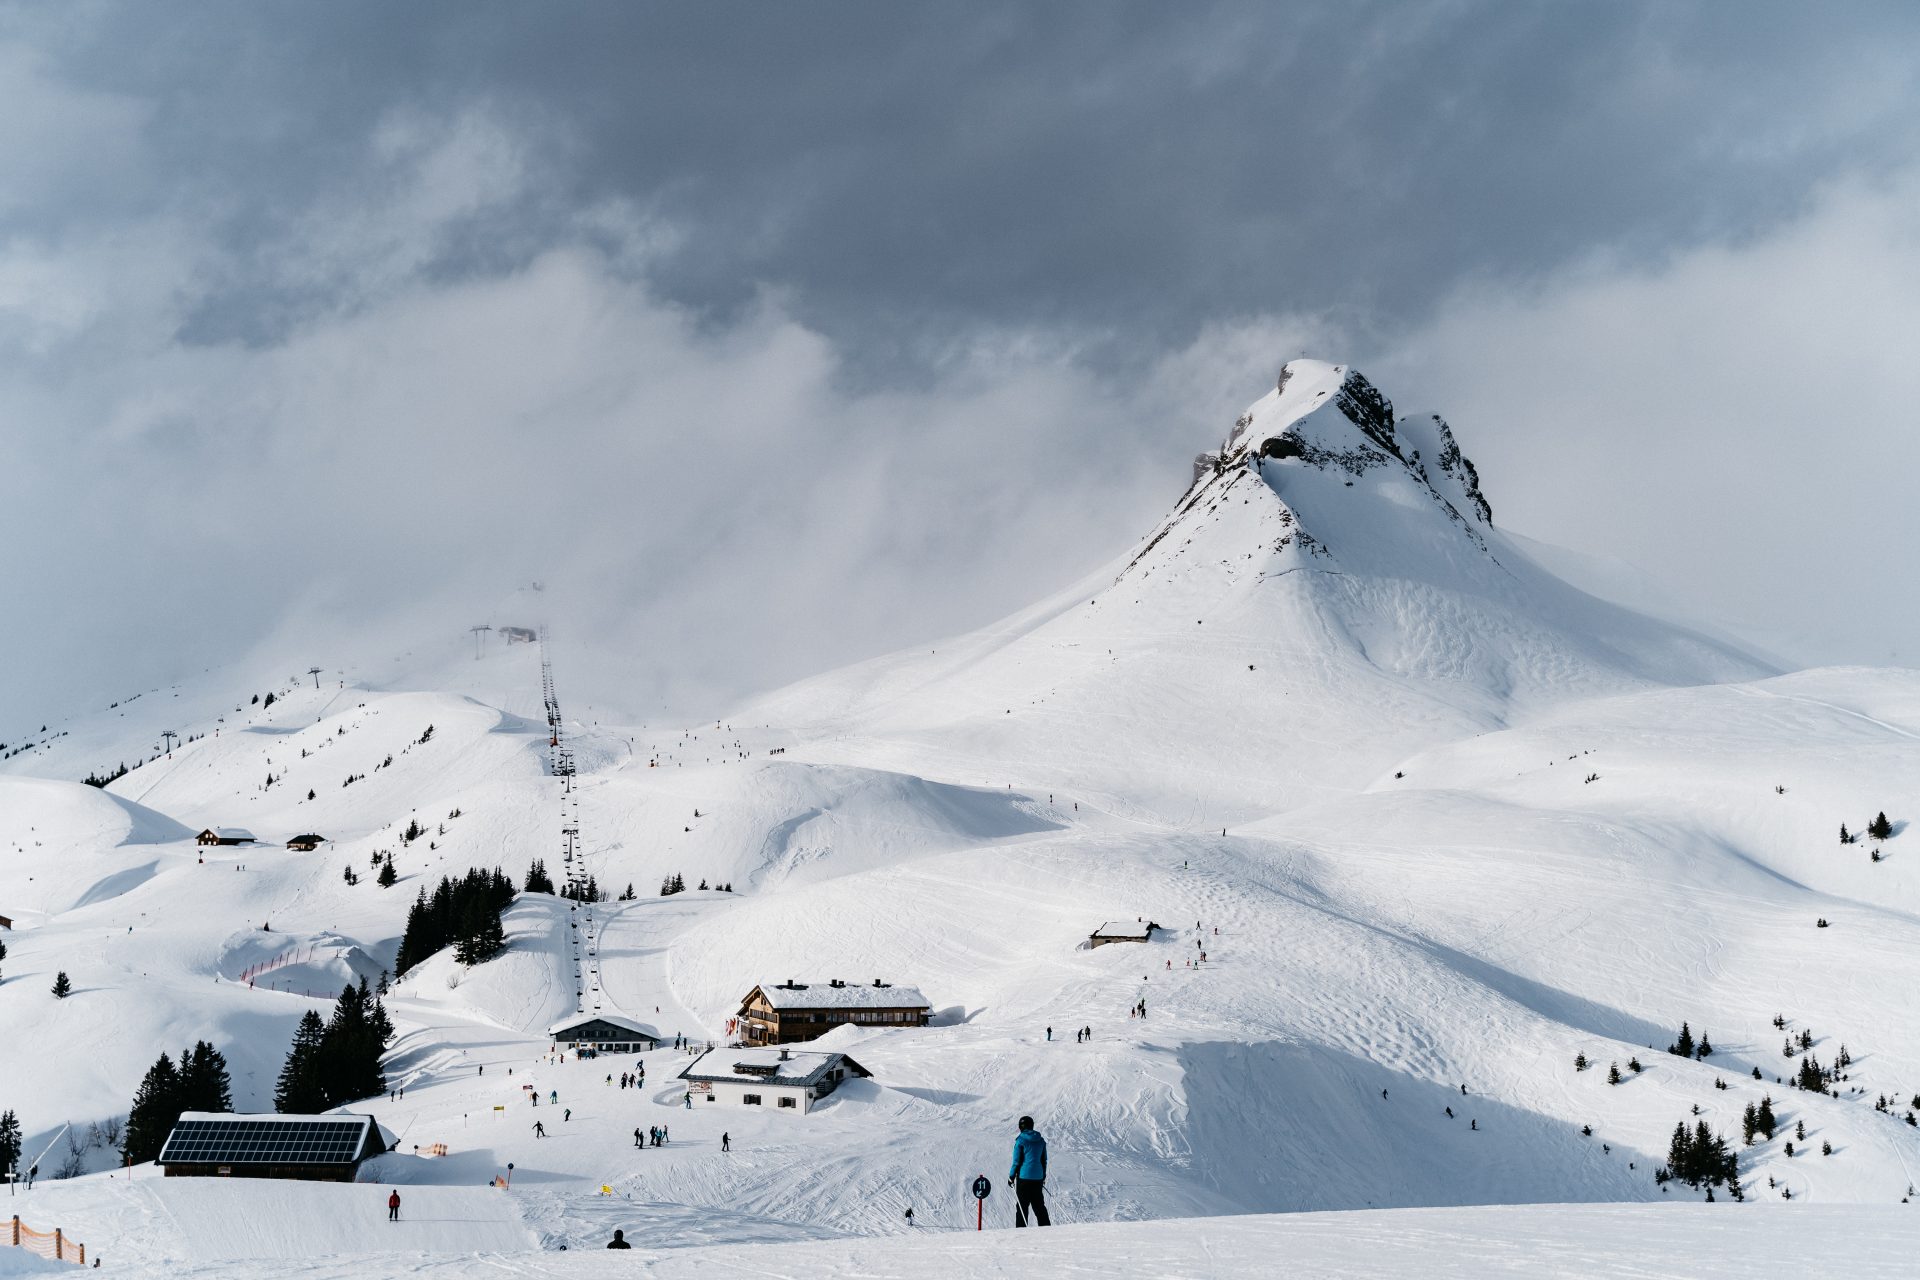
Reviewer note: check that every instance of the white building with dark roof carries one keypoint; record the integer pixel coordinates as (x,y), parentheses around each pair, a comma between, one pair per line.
(782,1012)
(782,1079)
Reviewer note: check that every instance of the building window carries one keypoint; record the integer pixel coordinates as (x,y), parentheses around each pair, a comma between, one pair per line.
(786,1102)
(750,1099)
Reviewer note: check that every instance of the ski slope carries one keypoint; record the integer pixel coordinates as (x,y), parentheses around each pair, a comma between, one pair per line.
(1438,822)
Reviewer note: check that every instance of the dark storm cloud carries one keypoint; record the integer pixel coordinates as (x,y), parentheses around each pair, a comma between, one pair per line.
(790,333)
(1130,170)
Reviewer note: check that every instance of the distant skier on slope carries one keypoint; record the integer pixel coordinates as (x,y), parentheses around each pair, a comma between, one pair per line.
(1028,1176)
(619,1240)
(393,1207)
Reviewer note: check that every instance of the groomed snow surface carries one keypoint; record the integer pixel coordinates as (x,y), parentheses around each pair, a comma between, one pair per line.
(1420,822)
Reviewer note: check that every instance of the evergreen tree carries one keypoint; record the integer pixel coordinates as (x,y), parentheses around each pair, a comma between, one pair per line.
(1579,1062)
(1683,1047)
(204,1085)
(1749,1124)
(538,881)
(9,1140)
(1705,1050)
(1763,1119)
(1880,828)
(1844,837)
(62,988)
(387,876)
(1613,1073)
(350,1050)
(156,1109)
(299,1091)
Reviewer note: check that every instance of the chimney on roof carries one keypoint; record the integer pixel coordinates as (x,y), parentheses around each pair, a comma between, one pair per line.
(784,1055)
(878,983)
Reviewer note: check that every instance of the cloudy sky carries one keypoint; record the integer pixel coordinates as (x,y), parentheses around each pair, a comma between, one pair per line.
(780,335)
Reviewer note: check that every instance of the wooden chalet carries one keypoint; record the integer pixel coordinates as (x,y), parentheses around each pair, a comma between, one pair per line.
(225,835)
(780,1013)
(1122,931)
(6,922)
(604,1033)
(306,843)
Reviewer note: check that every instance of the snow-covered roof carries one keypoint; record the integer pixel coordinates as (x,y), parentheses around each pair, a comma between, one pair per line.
(233,833)
(581,1019)
(1125,929)
(849,995)
(768,1066)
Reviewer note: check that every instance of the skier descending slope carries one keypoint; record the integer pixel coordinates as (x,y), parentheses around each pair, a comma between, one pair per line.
(1028,1176)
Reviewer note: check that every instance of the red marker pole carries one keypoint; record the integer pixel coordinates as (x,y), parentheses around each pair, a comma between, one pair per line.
(982,1188)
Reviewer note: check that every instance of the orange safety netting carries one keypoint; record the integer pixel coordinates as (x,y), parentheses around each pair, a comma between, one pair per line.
(53,1245)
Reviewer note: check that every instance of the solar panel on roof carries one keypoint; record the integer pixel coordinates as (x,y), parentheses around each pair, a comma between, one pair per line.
(244,1141)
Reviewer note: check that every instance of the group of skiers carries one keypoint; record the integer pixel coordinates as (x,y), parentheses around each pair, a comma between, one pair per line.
(656,1136)
(632,1079)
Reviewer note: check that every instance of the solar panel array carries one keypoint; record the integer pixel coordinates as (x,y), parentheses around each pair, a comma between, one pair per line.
(241,1141)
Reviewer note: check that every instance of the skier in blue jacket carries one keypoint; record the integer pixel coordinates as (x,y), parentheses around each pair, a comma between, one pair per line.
(1028,1176)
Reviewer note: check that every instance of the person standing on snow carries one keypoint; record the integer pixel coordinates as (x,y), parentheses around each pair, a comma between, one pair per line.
(636,1139)
(1028,1176)
(619,1240)
(726,1143)
(393,1207)
(539,1130)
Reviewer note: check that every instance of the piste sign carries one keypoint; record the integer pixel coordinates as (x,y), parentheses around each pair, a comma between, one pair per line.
(982,1188)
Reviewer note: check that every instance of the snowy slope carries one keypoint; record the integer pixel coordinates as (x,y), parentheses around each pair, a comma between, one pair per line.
(1553,1240)
(1327,725)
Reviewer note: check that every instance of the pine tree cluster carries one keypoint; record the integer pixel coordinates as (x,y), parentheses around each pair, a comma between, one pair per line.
(588,891)
(1701,1157)
(538,881)
(198,1083)
(102,779)
(673,884)
(1880,828)
(338,1061)
(462,913)
(1684,1047)
(1758,1120)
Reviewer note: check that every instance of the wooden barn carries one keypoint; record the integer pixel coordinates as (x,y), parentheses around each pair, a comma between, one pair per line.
(225,835)
(1122,931)
(780,1013)
(779,1078)
(207,1144)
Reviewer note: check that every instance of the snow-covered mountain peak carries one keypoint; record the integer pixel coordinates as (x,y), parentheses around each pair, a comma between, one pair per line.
(1329,417)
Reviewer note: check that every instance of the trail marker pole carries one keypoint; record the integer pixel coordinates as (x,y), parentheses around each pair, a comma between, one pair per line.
(982,1188)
